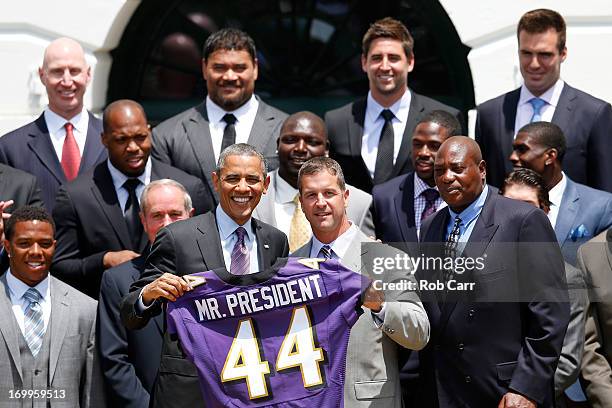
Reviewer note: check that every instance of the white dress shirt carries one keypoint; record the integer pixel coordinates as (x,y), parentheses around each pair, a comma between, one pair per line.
(226,227)
(373,125)
(55,125)
(245,117)
(555,195)
(524,110)
(284,207)
(119,178)
(16,291)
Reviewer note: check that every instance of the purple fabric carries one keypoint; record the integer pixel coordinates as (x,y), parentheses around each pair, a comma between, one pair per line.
(431,195)
(206,338)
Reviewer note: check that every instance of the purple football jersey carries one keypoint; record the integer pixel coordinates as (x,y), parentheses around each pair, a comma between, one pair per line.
(273,338)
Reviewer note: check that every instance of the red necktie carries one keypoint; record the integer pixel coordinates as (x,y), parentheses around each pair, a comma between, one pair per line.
(71,157)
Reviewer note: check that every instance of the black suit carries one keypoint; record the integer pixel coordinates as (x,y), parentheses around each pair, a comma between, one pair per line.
(345,131)
(129,358)
(29,148)
(20,187)
(585,120)
(183,248)
(90,223)
(184,141)
(479,349)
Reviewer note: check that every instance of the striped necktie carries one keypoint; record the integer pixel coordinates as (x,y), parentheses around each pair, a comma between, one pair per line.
(34,325)
(240,254)
(325,252)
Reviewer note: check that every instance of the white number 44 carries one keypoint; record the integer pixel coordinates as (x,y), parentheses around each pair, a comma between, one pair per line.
(297,350)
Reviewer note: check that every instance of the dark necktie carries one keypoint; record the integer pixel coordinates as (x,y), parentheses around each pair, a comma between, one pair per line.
(71,156)
(431,195)
(34,326)
(384,157)
(132,208)
(240,254)
(450,247)
(325,252)
(229,133)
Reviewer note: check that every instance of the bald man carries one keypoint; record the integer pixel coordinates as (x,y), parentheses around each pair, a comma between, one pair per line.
(65,140)
(97,213)
(496,344)
(303,136)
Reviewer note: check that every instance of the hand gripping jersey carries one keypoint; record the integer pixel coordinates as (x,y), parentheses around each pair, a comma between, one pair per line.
(273,338)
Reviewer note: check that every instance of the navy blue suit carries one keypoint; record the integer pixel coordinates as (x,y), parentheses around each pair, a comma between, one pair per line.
(30,149)
(481,350)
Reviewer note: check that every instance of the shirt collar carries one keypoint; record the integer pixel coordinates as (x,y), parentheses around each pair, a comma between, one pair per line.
(227,226)
(420,186)
(471,212)
(18,288)
(119,178)
(551,96)
(555,194)
(55,122)
(340,245)
(399,108)
(283,190)
(243,113)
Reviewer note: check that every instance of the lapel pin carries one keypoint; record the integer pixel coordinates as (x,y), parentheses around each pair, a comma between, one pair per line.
(266,246)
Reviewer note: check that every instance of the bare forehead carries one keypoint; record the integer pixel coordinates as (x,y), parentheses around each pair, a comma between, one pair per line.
(457,153)
(64,51)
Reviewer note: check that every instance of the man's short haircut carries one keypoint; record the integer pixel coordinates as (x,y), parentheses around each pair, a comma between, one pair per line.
(229,39)
(541,20)
(547,134)
(24,214)
(241,149)
(443,119)
(144,202)
(527,177)
(318,164)
(110,108)
(388,28)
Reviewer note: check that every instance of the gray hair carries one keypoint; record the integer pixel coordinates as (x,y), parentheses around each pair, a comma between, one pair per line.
(318,164)
(241,149)
(160,183)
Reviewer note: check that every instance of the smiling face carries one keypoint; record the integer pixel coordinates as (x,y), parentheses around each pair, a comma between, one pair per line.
(459,172)
(240,184)
(31,250)
(426,141)
(324,205)
(387,67)
(65,75)
(540,60)
(230,77)
(526,152)
(128,140)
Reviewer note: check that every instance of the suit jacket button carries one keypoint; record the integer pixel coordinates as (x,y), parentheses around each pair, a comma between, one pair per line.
(471,313)
(468,379)
(460,346)
(36,372)
(389,330)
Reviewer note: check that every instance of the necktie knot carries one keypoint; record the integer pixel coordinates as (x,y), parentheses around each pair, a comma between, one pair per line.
(537,104)
(69,127)
(131,184)
(240,234)
(296,199)
(32,296)
(387,115)
(229,118)
(431,195)
(325,252)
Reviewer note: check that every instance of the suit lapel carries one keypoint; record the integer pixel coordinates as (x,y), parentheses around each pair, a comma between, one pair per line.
(60,314)
(414,114)
(198,133)
(8,326)
(104,192)
(264,245)
(209,243)
(568,210)
(355,128)
(353,256)
(563,112)
(41,146)
(265,208)
(506,126)
(404,209)
(262,128)
(94,150)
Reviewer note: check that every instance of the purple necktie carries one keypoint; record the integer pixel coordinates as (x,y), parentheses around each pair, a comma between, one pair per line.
(240,254)
(431,195)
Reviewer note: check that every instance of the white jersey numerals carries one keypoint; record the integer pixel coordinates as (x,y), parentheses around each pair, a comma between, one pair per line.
(298,349)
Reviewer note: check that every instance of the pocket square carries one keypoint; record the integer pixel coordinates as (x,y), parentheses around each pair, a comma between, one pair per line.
(579,232)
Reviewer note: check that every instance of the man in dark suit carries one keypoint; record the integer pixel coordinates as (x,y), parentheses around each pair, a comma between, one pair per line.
(231,113)
(401,203)
(202,243)
(577,212)
(497,345)
(544,96)
(97,214)
(367,136)
(130,358)
(65,140)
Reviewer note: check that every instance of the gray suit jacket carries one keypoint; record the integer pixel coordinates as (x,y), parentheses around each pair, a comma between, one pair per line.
(358,209)
(73,362)
(595,260)
(372,368)
(584,212)
(183,141)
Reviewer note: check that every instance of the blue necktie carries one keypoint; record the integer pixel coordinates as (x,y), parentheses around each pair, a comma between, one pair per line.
(240,254)
(536,104)
(33,324)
